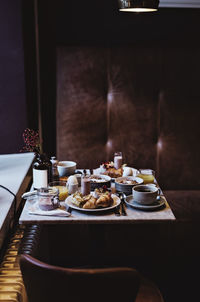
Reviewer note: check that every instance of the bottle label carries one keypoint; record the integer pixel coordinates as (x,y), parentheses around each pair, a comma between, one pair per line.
(40,178)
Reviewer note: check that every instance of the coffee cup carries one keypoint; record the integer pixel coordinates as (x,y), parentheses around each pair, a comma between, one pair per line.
(66,168)
(145,194)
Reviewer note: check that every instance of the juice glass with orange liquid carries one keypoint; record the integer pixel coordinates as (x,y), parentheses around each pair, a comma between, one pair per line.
(147,175)
(62,188)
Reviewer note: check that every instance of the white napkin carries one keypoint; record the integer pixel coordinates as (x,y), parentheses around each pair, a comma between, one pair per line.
(35,210)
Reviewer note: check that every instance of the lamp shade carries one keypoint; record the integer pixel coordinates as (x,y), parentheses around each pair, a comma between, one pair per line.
(138,5)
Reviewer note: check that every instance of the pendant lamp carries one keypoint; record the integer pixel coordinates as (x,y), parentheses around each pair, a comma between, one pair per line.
(138,6)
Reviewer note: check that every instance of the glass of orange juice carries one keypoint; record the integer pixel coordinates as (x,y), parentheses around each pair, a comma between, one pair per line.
(62,188)
(147,175)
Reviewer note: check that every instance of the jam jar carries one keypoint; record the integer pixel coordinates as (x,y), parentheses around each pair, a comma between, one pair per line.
(48,198)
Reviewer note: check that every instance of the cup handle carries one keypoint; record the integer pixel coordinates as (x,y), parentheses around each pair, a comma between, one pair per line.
(55,201)
(159,193)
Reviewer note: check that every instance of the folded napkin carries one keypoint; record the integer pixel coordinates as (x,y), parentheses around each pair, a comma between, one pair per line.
(61,212)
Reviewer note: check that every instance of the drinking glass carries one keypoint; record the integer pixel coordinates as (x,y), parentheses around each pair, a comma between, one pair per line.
(147,175)
(118,159)
(85,184)
(62,188)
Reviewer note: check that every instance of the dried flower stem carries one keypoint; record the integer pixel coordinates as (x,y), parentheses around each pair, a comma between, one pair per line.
(32,141)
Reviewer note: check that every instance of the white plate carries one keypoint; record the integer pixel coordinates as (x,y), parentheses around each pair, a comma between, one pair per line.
(160,202)
(116,202)
(134,171)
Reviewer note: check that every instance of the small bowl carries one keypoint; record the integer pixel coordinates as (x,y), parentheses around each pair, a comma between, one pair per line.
(104,180)
(127,188)
(66,168)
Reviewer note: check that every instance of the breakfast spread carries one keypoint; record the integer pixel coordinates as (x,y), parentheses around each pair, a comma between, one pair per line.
(98,199)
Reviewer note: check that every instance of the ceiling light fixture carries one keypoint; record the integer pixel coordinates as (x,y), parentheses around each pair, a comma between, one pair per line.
(138,6)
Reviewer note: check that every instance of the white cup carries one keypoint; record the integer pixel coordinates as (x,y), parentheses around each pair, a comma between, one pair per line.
(66,168)
(145,194)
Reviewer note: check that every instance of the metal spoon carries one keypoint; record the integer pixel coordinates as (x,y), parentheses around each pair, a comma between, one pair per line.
(122,196)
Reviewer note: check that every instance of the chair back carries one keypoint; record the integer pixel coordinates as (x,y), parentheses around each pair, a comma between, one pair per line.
(48,283)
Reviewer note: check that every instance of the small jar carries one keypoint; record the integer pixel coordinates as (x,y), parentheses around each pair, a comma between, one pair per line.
(48,198)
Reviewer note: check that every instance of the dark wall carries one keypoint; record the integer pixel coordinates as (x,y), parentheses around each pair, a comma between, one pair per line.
(69,22)
(81,23)
(13,116)
(64,22)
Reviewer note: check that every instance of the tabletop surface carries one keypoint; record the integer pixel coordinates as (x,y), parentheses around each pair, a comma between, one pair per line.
(13,169)
(104,217)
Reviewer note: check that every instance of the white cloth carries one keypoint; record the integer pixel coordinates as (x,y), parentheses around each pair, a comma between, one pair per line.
(35,210)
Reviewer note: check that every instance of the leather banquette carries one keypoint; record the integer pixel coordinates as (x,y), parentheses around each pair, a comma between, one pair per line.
(144,101)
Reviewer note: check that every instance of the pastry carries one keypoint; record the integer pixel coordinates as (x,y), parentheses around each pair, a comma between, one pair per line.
(105,200)
(114,173)
(109,169)
(90,204)
(77,199)
(99,199)
(87,197)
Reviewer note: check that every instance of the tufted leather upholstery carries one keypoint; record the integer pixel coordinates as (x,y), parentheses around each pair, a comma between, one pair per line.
(143,101)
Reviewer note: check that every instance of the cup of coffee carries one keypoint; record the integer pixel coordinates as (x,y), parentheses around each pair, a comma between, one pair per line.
(66,168)
(145,194)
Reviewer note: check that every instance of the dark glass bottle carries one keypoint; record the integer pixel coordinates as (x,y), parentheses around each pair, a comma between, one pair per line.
(42,171)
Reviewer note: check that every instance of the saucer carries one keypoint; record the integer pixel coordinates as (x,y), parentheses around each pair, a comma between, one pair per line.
(159,203)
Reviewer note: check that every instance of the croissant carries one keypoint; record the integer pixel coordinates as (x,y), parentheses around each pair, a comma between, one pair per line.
(105,200)
(90,204)
(87,197)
